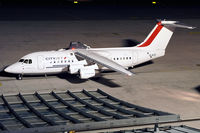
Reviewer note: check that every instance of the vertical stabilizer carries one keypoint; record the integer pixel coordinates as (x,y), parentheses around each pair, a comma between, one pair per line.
(159,37)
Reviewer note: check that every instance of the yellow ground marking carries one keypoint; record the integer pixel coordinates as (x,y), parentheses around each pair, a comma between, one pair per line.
(195,32)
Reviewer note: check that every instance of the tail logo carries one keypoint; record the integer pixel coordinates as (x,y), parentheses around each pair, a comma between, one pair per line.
(153,35)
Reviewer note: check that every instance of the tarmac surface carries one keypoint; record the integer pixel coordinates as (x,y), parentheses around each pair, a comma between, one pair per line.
(171,83)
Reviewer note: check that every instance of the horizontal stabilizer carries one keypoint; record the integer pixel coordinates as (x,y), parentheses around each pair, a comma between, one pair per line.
(176,24)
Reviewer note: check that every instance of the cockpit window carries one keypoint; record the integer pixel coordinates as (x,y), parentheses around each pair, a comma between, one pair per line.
(30,61)
(26,61)
(21,60)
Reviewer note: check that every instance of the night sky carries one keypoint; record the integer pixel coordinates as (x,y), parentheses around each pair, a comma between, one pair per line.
(97,9)
(36,3)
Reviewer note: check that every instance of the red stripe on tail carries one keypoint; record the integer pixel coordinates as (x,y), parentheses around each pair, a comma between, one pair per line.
(153,35)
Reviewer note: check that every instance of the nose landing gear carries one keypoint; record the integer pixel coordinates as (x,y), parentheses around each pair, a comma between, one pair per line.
(19,77)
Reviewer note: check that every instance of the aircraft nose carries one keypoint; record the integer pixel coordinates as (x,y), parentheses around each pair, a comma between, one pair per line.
(8,69)
(12,69)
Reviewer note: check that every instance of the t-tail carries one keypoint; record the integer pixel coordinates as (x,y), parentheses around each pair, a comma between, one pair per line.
(159,37)
(156,42)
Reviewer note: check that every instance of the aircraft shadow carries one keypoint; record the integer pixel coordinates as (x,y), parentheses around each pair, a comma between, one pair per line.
(73,78)
(197,89)
(4,74)
(144,64)
(129,43)
(104,81)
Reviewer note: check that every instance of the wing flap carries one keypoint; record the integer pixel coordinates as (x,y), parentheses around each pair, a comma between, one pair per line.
(90,55)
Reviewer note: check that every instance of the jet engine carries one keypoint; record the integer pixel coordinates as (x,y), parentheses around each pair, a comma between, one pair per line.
(87,71)
(74,68)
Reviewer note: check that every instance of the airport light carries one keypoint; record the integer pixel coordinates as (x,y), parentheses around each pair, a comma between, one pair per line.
(75,2)
(153,2)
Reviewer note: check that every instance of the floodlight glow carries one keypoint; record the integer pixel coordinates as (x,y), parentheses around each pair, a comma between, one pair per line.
(75,2)
(154,2)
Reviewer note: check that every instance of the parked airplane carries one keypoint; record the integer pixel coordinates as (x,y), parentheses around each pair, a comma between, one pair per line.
(85,61)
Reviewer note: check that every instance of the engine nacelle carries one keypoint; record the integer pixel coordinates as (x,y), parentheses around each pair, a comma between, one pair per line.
(88,71)
(74,68)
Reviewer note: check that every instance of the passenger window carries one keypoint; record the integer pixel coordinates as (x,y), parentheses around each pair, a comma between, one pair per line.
(129,57)
(71,54)
(30,61)
(26,61)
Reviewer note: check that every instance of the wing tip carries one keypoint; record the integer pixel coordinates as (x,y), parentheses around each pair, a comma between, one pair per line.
(130,74)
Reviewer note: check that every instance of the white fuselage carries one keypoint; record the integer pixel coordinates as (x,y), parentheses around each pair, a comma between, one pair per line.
(54,62)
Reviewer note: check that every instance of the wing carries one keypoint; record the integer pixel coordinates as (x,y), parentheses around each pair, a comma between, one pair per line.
(92,56)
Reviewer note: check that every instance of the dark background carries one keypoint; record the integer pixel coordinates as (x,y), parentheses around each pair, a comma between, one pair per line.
(98,9)
(37,3)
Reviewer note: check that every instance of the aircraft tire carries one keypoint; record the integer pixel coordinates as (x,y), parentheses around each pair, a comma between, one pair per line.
(19,77)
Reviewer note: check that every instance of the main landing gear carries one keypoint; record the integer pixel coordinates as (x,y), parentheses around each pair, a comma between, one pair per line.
(19,77)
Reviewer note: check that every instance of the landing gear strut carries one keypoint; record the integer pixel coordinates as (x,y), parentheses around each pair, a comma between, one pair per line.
(19,77)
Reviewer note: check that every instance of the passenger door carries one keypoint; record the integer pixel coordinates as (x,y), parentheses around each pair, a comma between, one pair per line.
(134,57)
(40,62)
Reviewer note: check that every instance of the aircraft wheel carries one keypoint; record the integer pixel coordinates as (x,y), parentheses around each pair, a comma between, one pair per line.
(19,77)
